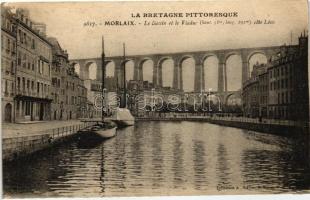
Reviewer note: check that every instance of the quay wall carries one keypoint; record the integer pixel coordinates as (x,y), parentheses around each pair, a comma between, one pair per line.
(280,128)
(16,147)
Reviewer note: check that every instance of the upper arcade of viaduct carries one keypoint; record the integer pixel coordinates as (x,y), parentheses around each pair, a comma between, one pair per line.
(198,56)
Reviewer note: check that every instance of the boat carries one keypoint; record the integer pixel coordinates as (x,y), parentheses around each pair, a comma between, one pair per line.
(104,129)
(122,116)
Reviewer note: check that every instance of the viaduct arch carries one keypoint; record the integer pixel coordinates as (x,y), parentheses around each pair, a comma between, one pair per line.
(198,56)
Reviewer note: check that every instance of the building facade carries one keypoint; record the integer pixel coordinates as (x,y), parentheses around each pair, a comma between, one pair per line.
(279,89)
(38,83)
(255,92)
(288,82)
(68,92)
(8,63)
(33,74)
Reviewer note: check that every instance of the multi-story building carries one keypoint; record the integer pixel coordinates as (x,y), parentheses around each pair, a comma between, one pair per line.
(288,82)
(33,74)
(279,89)
(68,92)
(8,63)
(263,87)
(254,92)
(82,103)
(300,75)
(38,83)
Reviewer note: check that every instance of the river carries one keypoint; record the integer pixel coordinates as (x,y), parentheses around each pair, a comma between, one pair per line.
(164,158)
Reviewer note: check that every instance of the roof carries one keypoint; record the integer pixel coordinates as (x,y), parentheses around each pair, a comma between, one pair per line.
(56,46)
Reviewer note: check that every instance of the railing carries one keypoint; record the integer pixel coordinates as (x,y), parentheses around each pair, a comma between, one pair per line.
(25,92)
(32,93)
(29,143)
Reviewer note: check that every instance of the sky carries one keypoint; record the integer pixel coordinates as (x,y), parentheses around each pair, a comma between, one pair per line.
(65,21)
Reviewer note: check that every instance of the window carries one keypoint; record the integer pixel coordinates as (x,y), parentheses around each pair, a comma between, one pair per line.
(23,83)
(282,84)
(24,60)
(32,85)
(291,95)
(27,108)
(8,24)
(54,81)
(18,83)
(6,86)
(22,38)
(12,91)
(286,97)
(28,85)
(38,88)
(25,38)
(39,66)
(12,67)
(33,46)
(8,48)
(19,60)
(2,42)
(281,71)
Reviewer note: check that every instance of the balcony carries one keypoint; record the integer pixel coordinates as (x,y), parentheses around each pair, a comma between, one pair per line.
(32,95)
(26,93)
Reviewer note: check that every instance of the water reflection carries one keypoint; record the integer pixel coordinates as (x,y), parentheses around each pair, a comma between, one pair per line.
(177,166)
(164,158)
(199,165)
(157,157)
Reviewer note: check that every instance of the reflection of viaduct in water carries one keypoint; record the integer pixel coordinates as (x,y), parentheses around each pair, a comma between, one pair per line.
(178,58)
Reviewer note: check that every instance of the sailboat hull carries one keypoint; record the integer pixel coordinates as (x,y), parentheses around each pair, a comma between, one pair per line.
(106,133)
(123,117)
(124,122)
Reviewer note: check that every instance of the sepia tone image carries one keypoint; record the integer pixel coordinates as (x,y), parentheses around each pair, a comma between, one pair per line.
(103,99)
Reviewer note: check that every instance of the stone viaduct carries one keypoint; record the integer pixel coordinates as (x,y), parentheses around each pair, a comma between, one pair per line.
(198,56)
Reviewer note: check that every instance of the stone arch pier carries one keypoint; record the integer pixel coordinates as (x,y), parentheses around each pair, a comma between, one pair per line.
(198,56)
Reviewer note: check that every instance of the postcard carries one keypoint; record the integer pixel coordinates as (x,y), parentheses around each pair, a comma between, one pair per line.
(165,98)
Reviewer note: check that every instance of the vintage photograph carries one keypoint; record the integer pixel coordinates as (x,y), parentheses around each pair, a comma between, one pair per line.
(122,99)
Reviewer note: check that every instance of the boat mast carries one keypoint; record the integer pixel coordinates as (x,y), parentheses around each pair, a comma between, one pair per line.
(103,76)
(124,78)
